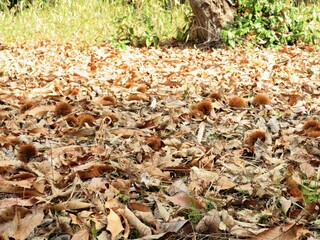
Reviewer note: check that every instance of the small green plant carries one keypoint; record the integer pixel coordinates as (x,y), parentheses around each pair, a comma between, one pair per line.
(93,229)
(194,215)
(183,34)
(122,197)
(128,34)
(270,22)
(310,192)
(209,206)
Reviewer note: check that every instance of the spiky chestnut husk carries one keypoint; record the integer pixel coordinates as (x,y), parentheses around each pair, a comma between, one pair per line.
(63,109)
(261,99)
(237,102)
(204,106)
(26,152)
(254,136)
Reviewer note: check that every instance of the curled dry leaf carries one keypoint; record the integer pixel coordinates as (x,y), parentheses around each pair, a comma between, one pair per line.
(209,224)
(285,204)
(165,215)
(174,226)
(146,217)
(107,100)
(71,205)
(143,229)
(26,106)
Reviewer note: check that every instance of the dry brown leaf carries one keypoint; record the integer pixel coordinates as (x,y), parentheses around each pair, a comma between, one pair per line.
(84,132)
(308,169)
(114,224)
(165,215)
(28,223)
(184,200)
(71,205)
(9,202)
(136,206)
(210,223)
(40,111)
(146,217)
(289,231)
(224,183)
(309,212)
(173,226)
(43,131)
(103,236)
(241,232)
(21,183)
(127,132)
(94,171)
(20,191)
(285,204)
(81,235)
(143,229)
(294,189)
(9,227)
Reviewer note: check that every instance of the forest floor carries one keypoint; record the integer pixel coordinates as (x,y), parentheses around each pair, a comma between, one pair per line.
(102,143)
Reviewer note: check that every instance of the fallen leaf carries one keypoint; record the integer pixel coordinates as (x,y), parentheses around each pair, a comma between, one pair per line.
(29,223)
(114,224)
(289,231)
(143,229)
(209,224)
(9,202)
(81,235)
(184,200)
(71,205)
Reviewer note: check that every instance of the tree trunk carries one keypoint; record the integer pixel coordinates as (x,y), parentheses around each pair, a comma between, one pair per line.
(210,17)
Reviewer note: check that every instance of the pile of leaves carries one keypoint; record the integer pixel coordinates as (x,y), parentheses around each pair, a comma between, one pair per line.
(102,143)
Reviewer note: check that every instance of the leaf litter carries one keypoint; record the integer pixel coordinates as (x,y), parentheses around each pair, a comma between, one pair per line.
(158,143)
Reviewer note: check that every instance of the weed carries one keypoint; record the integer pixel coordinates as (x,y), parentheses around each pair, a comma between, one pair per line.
(269,23)
(94,230)
(310,191)
(209,206)
(122,197)
(194,215)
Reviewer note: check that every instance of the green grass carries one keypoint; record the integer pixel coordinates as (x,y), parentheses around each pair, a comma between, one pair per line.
(92,21)
(310,191)
(143,24)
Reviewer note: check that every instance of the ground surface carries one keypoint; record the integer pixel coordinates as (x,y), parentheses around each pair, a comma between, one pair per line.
(146,142)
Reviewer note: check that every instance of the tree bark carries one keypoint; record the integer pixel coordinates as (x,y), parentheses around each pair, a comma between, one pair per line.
(210,17)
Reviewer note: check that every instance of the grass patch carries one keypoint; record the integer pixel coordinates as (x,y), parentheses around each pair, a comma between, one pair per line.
(93,21)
